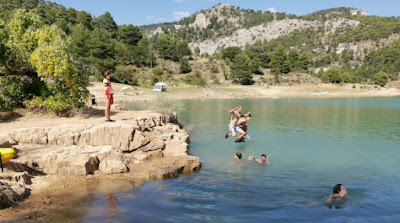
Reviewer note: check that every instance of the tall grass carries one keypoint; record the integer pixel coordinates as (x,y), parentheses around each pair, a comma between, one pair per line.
(164,105)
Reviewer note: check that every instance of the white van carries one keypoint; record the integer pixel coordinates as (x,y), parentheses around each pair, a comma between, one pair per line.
(160,87)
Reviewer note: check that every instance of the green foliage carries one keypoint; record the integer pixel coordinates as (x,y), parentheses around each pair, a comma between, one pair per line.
(303,62)
(197,51)
(42,51)
(216,80)
(371,28)
(386,59)
(106,21)
(195,79)
(12,92)
(325,14)
(231,52)
(184,66)
(279,62)
(58,103)
(79,42)
(125,74)
(102,50)
(333,75)
(240,69)
(258,18)
(158,71)
(129,34)
(21,41)
(214,68)
(171,48)
(381,78)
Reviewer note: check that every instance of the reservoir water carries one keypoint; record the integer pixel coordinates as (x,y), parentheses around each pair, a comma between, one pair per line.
(311,144)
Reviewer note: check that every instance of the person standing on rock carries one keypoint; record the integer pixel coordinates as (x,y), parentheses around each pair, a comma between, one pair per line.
(109,92)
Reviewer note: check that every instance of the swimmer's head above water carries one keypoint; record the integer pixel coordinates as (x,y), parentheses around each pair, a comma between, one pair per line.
(339,189)
(263,158)
(238,155)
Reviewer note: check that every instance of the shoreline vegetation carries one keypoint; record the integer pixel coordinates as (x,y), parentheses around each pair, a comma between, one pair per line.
(242,92)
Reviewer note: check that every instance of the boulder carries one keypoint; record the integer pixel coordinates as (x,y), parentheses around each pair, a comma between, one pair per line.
(156,144)
(11,193)
(175,148)
(6,141)
(112,166)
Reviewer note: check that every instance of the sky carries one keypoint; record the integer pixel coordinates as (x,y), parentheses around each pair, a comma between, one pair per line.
(144,12)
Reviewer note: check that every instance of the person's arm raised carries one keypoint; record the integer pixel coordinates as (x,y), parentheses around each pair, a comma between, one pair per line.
(234,109)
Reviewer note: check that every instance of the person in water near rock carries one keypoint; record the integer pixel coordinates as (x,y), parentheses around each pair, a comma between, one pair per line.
(108,90)
(262,159)
(233,127)
(238,156)
(339,191)
(243,127)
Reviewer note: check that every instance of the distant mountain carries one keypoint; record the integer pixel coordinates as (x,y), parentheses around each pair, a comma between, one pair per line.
(333,29)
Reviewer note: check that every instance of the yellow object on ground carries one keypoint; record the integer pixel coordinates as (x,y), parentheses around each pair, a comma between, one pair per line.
(7,154)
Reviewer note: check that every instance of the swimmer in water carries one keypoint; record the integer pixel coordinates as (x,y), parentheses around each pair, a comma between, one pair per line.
(238,156)
(339,191)
(262,159)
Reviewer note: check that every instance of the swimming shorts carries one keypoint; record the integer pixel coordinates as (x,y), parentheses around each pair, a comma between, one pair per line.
(235,128)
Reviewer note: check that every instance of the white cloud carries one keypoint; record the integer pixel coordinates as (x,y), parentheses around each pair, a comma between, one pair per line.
(158,19)
(180,15)
(273,10)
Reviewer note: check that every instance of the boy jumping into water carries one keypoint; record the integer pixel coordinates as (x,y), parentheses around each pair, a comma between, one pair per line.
(243,127)
(233,127)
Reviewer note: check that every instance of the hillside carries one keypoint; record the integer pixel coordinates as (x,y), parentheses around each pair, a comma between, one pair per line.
(48,53)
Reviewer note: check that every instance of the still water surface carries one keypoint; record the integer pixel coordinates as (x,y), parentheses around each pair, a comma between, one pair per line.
(311,144)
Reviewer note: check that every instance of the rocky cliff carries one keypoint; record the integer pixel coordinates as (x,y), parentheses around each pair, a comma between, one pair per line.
(145,148)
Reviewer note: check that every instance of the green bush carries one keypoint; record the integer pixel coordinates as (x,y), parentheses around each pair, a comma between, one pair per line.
(158,71)
(195,79)
(184,66)
(216,80)
(13,91)
(214,68)
(58,103)
(381,78)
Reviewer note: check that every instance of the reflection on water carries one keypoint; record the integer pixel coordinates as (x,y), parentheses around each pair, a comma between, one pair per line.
(311,144)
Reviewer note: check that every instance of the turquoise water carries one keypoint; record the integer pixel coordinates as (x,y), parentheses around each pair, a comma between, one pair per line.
(312,144)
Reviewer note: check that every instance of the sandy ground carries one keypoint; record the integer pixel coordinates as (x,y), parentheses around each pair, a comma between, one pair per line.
(240,92)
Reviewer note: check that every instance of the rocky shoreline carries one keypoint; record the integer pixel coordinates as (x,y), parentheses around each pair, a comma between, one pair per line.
(149,147)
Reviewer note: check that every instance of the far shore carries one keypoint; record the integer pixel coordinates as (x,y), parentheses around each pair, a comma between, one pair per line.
(125,93)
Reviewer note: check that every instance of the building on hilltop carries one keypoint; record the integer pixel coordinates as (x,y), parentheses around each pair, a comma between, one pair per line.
(358,12)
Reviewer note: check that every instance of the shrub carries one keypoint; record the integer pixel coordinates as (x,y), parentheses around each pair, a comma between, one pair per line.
(58,103)
(214,68)
(195,79)
(216,80)
(158,71)
(381,78)
(184,66)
